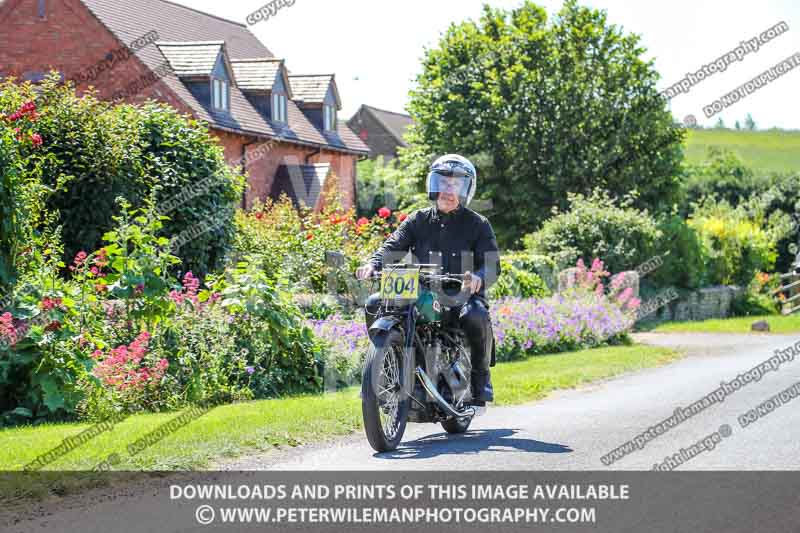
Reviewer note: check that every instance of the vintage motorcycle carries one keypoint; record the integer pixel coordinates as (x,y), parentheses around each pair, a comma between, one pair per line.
(418,367)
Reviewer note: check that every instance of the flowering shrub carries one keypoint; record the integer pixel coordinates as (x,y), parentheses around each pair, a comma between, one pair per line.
(736,244)
(591,313)
(90,152)
(291,243)
(347,342)
(125,370)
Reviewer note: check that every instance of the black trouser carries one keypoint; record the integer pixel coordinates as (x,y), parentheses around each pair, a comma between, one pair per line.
(474,322)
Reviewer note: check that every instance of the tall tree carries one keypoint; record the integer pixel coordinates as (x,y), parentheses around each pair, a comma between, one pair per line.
(547,108)
(749,123)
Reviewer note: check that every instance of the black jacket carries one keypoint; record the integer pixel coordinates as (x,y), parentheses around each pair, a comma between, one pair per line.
(461,240)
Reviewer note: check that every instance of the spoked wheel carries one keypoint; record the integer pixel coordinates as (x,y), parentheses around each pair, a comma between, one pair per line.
(384,402)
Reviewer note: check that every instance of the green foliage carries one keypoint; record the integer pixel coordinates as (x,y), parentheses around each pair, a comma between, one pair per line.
(723,175)
(94,152)
(681,255)
(387,185)
(291,244)
(270,333)
(515,281)
(736,243)
(597,226)
(547,109)
(24,221)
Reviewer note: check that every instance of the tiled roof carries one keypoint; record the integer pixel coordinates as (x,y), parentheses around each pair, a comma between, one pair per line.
(129,20)
(312,88)
(256,74)
(395,123)
(191,59)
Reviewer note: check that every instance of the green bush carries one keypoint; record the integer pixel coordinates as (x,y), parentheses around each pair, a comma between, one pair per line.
(725,177)
(514,281)
(387,185)
(94,152)
(736,245)
(597,226)
(682,260)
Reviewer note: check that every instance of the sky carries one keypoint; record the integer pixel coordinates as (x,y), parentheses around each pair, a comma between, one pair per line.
(375,46)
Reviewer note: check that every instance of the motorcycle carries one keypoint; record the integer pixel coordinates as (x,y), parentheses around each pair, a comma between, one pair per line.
(418,366)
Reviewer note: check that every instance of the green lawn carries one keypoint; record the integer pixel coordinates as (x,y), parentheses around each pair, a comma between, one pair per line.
(230,430)
(761,150)
(777,324)
(261,426)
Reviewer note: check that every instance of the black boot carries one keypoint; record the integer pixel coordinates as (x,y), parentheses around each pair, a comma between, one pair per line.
(482,391)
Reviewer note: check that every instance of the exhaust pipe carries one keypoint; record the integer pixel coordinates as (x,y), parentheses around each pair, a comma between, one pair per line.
(431,389)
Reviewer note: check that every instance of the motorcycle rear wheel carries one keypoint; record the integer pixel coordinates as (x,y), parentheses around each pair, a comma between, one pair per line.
(384,402)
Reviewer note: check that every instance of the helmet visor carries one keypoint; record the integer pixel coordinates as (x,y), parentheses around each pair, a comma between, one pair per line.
(458,185)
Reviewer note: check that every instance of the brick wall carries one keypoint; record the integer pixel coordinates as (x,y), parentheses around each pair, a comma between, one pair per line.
(70,39)
(264,157)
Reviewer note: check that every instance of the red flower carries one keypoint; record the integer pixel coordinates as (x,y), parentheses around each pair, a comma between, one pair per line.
(363,221)
(55,325)
(384,212)
(36,139)
(259,216)
(402,217)
(309,236)
(336,219)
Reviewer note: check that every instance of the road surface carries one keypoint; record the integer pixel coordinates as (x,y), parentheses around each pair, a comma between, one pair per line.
(572,430)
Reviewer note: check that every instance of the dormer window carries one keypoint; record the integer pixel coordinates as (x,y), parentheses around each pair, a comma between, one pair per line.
(279,107)
(220,95)
(329,117)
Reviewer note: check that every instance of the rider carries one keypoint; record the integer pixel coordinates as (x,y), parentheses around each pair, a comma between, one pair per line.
(453,236)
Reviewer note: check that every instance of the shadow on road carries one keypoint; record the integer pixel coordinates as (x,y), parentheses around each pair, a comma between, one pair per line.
(476,441)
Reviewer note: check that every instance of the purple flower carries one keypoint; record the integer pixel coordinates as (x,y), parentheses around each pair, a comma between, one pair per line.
(250,370)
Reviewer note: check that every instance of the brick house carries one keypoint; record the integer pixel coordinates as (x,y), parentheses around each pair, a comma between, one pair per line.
(381,130)
(281,129)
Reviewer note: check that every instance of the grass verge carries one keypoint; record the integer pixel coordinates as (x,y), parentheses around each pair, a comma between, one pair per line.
(777,324)
(261,426)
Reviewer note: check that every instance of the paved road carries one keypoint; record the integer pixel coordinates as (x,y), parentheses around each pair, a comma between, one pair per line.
(571,430)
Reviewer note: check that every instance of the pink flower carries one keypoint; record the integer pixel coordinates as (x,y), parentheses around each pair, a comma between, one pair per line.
(363,221)
(384,212)
(599,290)
(402,217)
(36,139)
(48,304)
(78,261)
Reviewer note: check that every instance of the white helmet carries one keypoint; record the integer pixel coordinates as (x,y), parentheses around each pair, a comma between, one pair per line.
(452,173)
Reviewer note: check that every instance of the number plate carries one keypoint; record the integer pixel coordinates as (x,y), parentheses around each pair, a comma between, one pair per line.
(400,285)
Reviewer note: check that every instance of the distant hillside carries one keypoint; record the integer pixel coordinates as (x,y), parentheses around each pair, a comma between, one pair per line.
(772,150)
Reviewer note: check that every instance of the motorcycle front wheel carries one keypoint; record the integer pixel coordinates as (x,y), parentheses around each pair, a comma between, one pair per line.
(384,402)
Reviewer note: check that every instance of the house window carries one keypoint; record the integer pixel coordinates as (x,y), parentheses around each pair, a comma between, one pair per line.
(329,117)
(279,107)
(220,94)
